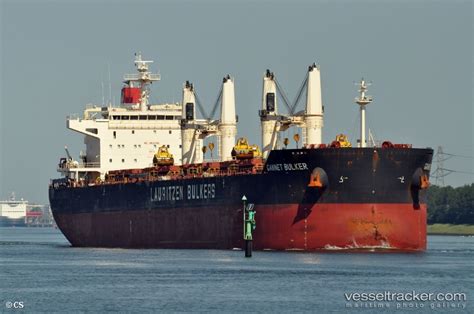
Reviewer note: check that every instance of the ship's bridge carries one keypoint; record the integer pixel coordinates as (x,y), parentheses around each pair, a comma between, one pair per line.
(122,138)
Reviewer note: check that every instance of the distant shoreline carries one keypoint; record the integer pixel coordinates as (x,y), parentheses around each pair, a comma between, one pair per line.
(449,229)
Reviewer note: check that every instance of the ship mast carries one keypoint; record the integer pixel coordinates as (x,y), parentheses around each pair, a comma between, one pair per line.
(142,79)
(363,100)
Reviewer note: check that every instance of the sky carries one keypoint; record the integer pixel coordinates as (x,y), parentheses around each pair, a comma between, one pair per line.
(56,54)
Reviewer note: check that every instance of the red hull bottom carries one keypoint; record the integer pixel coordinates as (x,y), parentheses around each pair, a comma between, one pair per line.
(279,227)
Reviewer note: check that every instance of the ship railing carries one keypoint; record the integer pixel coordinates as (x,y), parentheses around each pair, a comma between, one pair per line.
(151,177)
(143,177)
(57,183)
(135,77)
(89,165)
(76,165)
(73,116)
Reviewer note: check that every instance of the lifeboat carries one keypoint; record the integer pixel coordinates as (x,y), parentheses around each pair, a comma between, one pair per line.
(163,157)
(242,150)
(341,141)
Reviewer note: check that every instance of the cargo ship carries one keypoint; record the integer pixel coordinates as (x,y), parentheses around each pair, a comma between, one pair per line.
(144,181)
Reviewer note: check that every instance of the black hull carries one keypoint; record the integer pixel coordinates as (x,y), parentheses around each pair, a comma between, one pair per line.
(176,212)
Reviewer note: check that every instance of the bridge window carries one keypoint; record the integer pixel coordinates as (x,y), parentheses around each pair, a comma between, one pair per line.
(151,117)
(133,117)
(95,131)
(169,117)
(143,117)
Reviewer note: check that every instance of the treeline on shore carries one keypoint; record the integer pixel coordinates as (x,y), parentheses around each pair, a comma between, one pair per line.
(448,205)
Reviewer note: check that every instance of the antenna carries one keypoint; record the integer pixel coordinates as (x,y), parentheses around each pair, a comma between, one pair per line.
(103,96)
(69,157)
(110,83)
(141,65)
(142,79)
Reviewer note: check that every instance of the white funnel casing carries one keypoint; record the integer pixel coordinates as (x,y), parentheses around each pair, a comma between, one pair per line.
(314,107)
(191,145)
(268,114)
(228,123)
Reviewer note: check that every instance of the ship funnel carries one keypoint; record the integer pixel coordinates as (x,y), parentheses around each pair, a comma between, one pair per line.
(268,114)
(314,107)
(191,146)
(228,121)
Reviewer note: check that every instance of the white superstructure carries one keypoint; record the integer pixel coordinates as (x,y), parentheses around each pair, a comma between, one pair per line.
(125,137)
(12,208)
(128,136)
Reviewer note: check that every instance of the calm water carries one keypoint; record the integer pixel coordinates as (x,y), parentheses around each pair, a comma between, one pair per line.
(41,270)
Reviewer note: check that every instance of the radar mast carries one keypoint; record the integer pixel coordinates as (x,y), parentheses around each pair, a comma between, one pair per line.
(142,80)
(363,100)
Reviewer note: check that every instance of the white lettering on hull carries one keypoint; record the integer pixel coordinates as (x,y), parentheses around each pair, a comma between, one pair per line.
(177,192)
(299,166)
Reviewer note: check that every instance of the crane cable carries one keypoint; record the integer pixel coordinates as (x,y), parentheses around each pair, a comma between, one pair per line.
(216,104)
(283,95)
(200,106)
(214,108)
(291,108)
(298,96)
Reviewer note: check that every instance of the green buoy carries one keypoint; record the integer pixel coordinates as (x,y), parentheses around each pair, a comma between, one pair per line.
(249,225)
